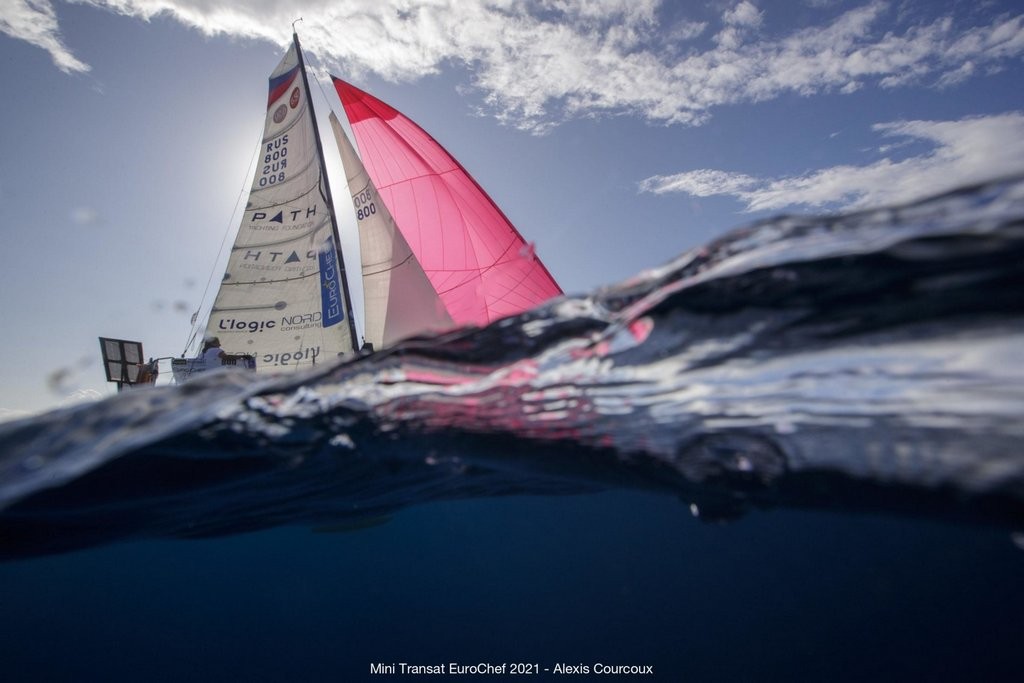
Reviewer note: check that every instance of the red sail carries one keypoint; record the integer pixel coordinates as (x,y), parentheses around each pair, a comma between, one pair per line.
(474,257)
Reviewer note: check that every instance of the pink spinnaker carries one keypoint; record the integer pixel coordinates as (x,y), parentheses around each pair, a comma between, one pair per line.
(474,257)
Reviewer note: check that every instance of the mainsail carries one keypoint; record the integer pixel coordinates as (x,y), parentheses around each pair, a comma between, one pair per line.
(477,262)
(284,298)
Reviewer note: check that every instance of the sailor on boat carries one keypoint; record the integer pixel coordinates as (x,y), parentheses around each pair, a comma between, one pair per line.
(213,356)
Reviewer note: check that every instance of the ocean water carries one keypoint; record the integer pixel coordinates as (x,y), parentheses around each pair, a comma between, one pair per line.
(792,454)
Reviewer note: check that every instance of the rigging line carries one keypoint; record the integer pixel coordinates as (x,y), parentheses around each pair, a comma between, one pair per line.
(316,77)
(327,102)
(231,222)
(385,270)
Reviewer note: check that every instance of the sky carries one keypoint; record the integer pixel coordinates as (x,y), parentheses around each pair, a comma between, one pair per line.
(614,134)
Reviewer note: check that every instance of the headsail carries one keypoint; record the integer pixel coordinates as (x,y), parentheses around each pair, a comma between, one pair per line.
(284,297)
(399,299)
(478,263)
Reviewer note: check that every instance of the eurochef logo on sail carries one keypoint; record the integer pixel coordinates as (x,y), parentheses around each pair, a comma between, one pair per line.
(330,288)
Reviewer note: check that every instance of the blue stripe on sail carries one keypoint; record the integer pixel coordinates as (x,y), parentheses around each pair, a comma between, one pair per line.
(330,285)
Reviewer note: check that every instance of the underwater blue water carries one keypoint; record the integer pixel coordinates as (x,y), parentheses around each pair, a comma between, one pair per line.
(793,454)
(613,577)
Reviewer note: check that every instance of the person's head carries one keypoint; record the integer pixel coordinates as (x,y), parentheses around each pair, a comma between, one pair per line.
(209,343)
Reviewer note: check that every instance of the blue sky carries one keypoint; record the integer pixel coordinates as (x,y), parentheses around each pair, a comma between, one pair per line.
(614,134)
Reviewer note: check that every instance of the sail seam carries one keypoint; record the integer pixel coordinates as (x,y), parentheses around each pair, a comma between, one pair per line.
(264,207)
(386,270)
(269,282)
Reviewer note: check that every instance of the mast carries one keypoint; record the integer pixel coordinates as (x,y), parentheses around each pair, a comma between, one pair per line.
(328,197)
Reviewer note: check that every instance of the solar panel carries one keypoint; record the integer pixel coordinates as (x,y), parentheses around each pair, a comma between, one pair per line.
(122,360)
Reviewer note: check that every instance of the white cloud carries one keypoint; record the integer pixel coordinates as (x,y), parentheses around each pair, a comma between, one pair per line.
(685,30)
(701,183)
(743,14)
(739,21)
(35,22)
(541,62)
(963,151)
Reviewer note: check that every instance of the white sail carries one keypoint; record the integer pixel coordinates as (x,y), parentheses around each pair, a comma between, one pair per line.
(399,299)
(282,298)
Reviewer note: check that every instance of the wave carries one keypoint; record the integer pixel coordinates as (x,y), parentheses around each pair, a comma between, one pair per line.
(868,361)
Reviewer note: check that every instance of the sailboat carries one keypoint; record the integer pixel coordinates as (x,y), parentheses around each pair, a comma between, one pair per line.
(435,250)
